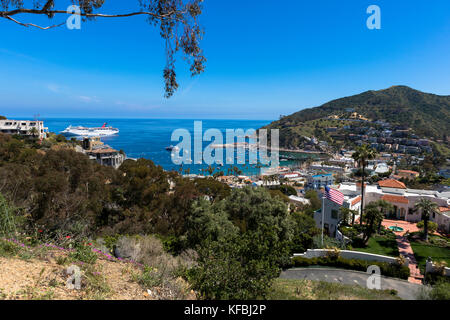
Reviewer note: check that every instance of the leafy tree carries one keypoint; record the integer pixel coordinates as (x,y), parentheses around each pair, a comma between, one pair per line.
(361,156)
(427,208)
(212,188)
(177,21)
(304,231)
(233,269)
(207,222)
(313,198)
(242,264)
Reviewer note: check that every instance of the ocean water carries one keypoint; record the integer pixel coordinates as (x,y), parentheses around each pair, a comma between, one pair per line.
(148,138)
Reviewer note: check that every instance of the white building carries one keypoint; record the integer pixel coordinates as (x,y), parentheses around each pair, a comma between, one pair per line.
(394,192)
(24,128)
(320,180)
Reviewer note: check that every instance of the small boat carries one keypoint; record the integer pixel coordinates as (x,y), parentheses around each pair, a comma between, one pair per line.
(172,148)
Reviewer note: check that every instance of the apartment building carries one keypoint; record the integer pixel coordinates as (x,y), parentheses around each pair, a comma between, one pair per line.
(34,128)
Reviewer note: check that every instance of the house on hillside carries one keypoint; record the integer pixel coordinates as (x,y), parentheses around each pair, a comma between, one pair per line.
(34,128)
(319,180)
(398,195)
(103,154)
(408,174)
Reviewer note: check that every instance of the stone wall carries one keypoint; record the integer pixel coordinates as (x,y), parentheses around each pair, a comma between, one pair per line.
(431,267)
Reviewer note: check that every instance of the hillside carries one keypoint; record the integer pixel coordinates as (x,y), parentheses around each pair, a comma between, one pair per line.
(428,115)
(40,271)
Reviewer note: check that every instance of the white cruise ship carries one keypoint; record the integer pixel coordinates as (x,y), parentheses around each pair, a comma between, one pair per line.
(89,132)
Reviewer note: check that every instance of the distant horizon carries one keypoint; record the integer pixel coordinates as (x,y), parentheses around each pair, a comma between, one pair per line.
(202,117)
(127,118)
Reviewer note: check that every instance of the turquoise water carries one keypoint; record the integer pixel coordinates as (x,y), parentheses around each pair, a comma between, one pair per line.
(148,138)
(395,228)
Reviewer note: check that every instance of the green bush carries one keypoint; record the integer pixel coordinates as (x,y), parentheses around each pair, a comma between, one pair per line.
(8,249)
(434,278)
(432,226)
(440,291)
(84,254)
(9,220)
(387,269)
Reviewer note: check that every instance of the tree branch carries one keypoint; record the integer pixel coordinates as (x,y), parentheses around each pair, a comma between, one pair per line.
(5,14)
(8,14)
(34,25)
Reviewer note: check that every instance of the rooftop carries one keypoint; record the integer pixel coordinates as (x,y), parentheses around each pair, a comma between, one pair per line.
(395,199)
(391,183)
(408,171)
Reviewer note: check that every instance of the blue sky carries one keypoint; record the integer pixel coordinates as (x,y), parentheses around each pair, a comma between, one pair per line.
(265,58)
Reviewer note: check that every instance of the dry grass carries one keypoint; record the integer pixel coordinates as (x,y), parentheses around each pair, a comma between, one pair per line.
(41,273)
(161,272)
(46,279)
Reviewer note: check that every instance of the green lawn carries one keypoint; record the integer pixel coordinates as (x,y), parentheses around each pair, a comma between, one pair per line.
(422,251)
(386,246)
(288,289)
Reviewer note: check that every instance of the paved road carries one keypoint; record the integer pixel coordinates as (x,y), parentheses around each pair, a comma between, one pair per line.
(405,289)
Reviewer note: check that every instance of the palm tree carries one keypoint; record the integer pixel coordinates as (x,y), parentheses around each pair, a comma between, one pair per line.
(382,206)
(346,212)
(33,132)
(361,156)
(427,207)
(374,217)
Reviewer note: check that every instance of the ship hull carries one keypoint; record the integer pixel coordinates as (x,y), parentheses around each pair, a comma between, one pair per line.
(74,132)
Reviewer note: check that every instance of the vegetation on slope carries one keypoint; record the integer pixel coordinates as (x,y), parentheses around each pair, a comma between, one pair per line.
(428,115)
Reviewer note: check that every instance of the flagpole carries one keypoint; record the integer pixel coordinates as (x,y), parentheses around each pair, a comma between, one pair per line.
(323,210)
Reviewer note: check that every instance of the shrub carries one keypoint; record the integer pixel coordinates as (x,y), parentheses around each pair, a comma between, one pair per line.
(387,269)
(432,226)
(440,291)
(97,287)
(161,269)
(8,249)
(9,221)
(84,254)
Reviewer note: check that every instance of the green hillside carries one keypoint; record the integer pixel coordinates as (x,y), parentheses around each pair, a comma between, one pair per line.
(428,115)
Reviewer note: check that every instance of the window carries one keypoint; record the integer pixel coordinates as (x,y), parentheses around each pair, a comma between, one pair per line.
(410,211)
(334,214)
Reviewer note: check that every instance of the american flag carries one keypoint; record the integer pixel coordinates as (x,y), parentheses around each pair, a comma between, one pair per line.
(334,195)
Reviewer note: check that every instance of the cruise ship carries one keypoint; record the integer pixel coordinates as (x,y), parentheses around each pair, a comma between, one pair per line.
(89,132)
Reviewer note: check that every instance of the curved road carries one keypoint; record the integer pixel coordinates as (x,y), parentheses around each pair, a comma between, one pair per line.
(405,289)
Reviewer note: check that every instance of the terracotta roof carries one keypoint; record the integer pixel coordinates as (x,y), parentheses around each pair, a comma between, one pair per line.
(355,201)
(444,209)
(391,183)
(103,150)
(408,171)
(396,199)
